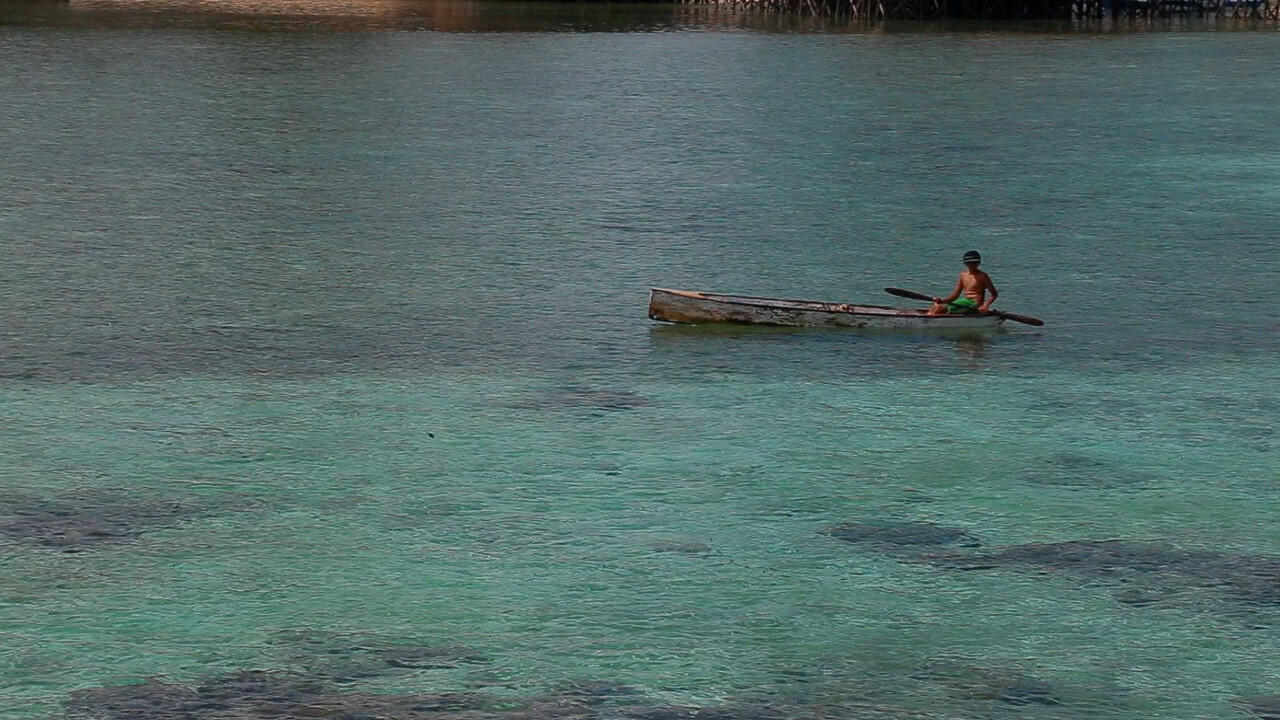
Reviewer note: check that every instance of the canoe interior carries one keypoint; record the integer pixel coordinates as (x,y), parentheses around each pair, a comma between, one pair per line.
(805,304)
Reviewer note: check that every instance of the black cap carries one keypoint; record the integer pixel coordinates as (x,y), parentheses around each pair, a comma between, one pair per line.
(972,256)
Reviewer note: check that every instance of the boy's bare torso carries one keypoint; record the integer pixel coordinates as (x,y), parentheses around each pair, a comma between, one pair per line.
(974,284)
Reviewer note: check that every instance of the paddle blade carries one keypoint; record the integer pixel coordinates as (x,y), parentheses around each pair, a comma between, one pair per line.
(908,294)
(1018,318)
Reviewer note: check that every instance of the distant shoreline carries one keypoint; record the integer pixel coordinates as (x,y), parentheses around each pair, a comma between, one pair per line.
(595,16)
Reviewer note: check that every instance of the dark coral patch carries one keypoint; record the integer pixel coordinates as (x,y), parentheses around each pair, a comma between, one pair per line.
(1007,686)
(604,399)
(740,712)
(428,656)
(151,699)
(1094,556)
(267,695)
(345,658)
(1147,597)
(1026,693)
(676,546)
(1248,579)
(1264,707)
(591,692)
(78,523)
(844,711)
(902,534)
(259,695)
(573,397)
(1076,471)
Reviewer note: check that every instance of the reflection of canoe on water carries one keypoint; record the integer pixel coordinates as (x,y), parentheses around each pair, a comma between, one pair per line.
(687,306)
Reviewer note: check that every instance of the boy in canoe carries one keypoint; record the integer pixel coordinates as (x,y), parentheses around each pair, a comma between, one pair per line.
(973,284)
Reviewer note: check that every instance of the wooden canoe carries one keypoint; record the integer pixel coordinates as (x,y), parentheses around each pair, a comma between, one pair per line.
(687,306)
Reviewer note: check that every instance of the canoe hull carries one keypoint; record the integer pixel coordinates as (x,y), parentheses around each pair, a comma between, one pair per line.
(698,308)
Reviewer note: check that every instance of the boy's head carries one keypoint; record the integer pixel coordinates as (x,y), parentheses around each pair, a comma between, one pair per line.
(972,259)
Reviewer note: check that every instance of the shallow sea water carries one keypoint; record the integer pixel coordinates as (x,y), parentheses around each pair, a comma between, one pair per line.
(325,357)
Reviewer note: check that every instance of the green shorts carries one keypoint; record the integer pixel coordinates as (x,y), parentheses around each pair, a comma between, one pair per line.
(962,306)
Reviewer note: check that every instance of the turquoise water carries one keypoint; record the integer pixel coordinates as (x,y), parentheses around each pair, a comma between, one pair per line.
(325,356)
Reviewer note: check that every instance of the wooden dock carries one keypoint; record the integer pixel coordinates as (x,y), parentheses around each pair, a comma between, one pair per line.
(1019,9)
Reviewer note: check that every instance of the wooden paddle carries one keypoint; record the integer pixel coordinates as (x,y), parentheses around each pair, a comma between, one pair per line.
(998,313)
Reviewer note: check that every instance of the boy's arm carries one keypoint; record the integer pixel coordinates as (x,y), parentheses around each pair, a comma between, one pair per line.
(954,293)
(991,288)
